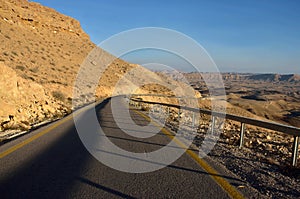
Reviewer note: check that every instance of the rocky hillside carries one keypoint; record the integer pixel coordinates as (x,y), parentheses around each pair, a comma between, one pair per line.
(41,44)
(41,50)
(21,108)
(41,53)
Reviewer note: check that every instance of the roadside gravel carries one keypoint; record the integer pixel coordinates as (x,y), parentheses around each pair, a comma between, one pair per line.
(264,161)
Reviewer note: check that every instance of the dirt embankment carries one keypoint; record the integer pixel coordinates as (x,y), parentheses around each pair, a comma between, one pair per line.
(24,102)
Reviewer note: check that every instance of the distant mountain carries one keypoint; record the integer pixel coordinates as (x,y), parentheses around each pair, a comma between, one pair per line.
(194,77)
(275,77)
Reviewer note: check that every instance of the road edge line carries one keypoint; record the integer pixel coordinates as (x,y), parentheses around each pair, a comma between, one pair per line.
(38,135)
(224,184)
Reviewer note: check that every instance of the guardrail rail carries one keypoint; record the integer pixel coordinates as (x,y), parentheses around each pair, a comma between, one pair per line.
(290,130)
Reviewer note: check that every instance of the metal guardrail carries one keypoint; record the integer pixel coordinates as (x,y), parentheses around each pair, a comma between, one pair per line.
(290,130)
(159,95)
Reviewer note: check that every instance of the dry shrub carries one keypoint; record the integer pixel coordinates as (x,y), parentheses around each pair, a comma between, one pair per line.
(58,95)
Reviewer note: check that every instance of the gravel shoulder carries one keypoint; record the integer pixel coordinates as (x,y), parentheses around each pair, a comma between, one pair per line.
(271,180)
(263,163)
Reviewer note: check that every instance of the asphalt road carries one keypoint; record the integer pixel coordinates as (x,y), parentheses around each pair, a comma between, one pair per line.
(52,162)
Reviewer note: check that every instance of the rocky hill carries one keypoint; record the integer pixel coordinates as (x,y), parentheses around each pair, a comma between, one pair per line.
(41,53)
(41,50)
(41,44)
(24,102)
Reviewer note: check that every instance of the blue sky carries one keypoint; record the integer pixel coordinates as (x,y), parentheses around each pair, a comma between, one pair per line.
(260,36)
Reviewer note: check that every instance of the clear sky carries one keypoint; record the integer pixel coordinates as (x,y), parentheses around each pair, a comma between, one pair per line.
(241,36)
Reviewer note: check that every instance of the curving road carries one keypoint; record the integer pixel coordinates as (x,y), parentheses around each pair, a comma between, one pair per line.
(52,162)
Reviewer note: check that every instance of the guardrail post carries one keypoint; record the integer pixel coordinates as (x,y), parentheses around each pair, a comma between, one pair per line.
(160,110)
(213,122)
(242,134)
(295,150)
(178,115)
(193,120)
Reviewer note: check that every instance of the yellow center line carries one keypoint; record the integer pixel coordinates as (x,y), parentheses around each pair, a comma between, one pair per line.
(38,135)
(232,191)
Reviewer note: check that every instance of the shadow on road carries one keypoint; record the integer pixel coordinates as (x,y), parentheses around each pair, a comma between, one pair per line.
(106,189)
(53,171)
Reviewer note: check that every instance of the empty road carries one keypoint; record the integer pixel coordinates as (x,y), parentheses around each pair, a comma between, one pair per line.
(52,162)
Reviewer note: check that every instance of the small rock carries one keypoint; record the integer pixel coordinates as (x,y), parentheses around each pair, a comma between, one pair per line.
(268,137)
